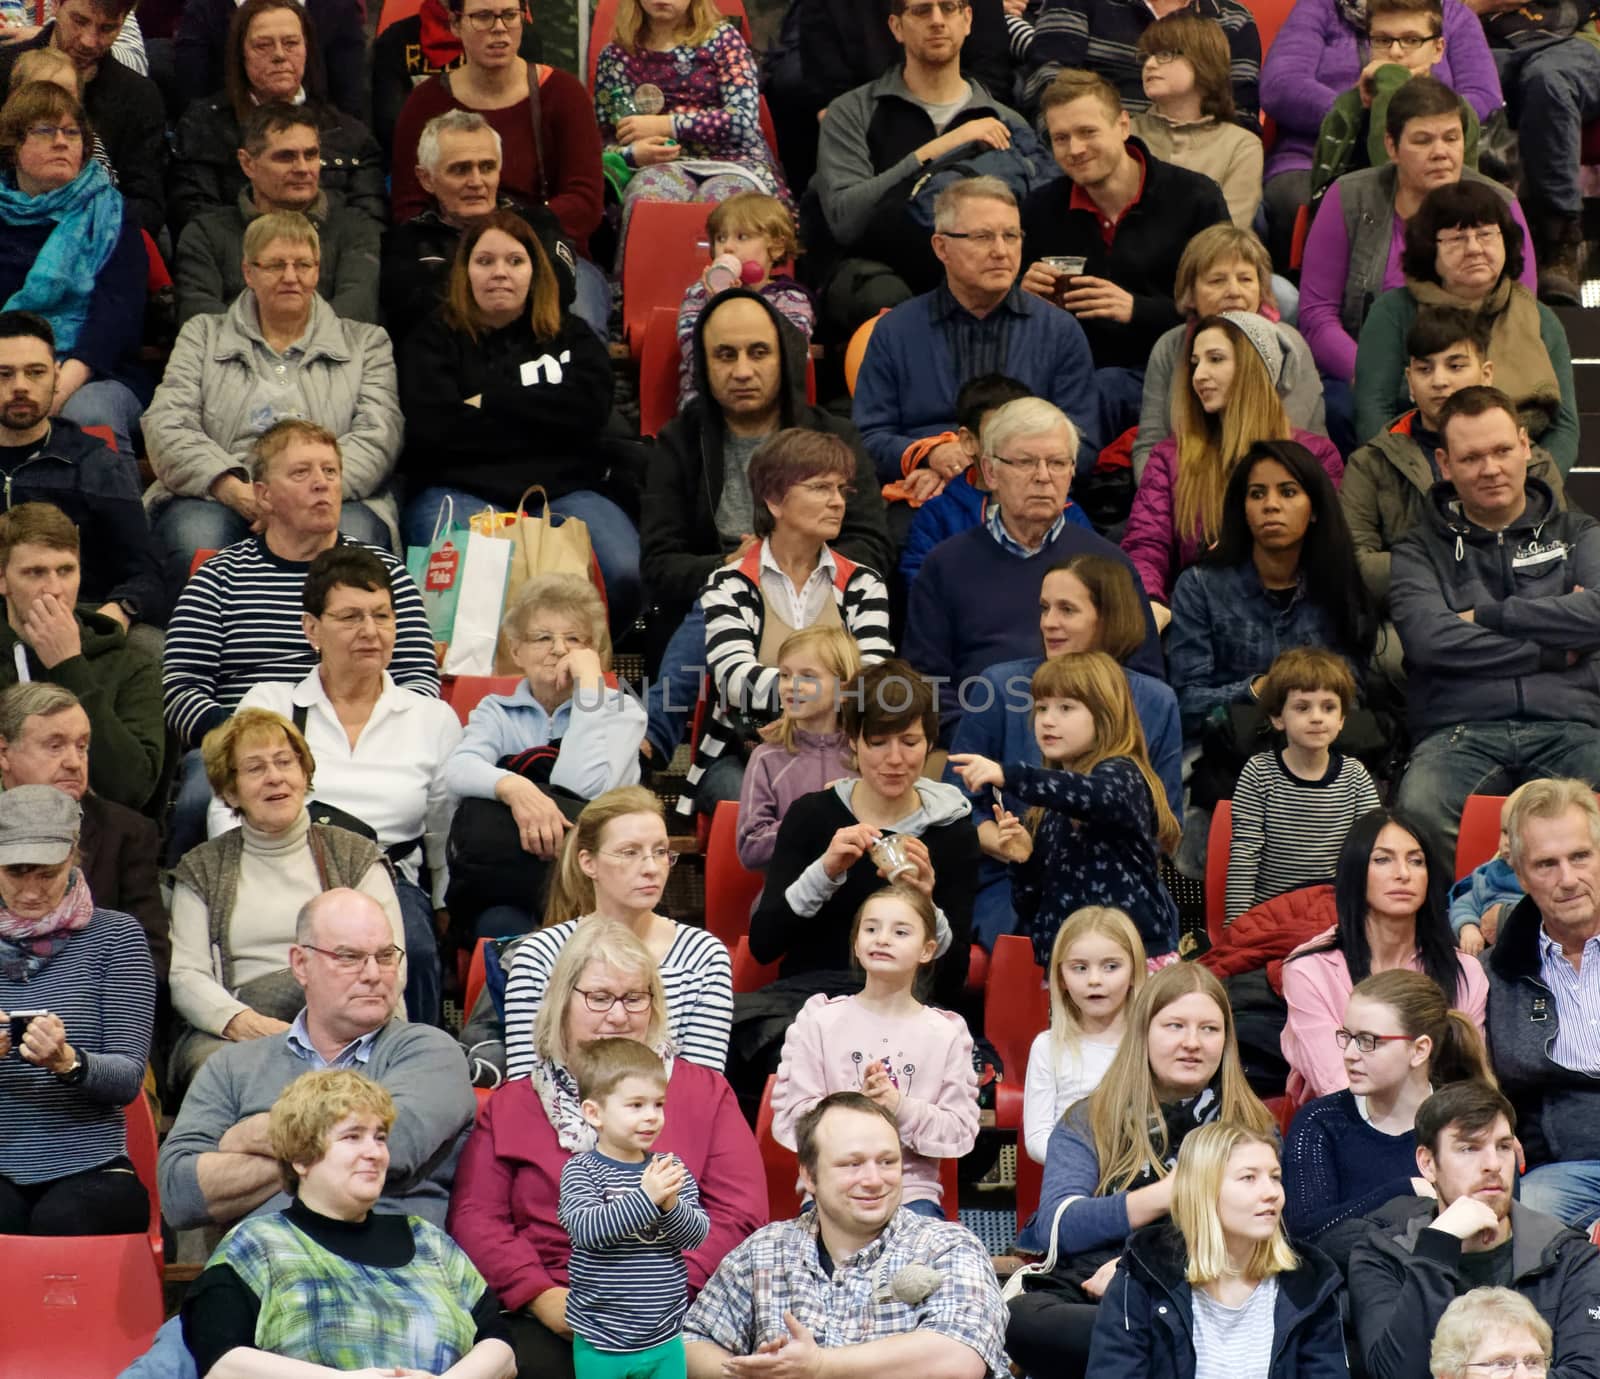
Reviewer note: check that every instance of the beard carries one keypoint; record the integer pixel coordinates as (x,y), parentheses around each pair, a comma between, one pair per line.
(22,414)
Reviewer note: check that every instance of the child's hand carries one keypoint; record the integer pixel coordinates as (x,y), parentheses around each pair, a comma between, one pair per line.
(632,128)
(648,152)
(1489,923)
(976,771)
(662,1180)
(879,1087)
(1470,940)
(1014,842)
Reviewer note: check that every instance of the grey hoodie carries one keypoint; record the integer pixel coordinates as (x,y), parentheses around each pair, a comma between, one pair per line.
(1534,590)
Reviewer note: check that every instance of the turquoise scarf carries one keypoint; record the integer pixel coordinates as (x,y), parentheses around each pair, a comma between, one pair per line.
(88,222)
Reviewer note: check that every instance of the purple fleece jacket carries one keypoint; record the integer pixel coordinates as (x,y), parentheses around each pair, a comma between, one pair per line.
(1316,58)
(1148,540)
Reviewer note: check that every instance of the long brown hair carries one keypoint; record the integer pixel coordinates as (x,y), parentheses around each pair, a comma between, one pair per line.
(461,310)
(1125,1116)
(571,891)
(1210,445)
(236,85)
(1101,686)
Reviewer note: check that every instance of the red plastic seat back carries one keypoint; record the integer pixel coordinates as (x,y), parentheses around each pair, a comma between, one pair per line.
(140,1128)
(1479,838)
(731,888)
(1217,846)
(662,256)
(463,692)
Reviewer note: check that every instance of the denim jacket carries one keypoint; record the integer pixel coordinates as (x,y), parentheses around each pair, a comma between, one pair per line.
(1226,631)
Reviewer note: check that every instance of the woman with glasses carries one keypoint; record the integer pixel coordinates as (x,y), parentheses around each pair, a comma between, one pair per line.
(785,578)
(77,1002)
(272,55)
(236,899)
(279,352)
(1491,1333)
(1325,48)
(614,866)
(381,749)
(1464,248)
(605,984)
(70,252)
(550,145)
(1391,901)
(531,759)
(1351,1151)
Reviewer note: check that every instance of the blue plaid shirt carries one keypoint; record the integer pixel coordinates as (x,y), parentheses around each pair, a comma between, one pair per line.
(778,1270)
(995,523)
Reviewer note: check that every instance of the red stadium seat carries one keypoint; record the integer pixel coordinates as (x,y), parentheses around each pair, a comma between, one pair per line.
(658,370)
(1479,838)
(748,974)
(200,557)
(671,236)
(1016,1008)
(731,889)
(140,1128)
(1269,16)
(481,1095)
(1217,870)
(476,977)
(105,435)
(463,692)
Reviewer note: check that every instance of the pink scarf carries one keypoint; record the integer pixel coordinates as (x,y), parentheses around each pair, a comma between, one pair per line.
(26,945)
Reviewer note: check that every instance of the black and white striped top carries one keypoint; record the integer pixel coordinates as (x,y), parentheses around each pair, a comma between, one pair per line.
(237,625)
(102,986)
(696,975)
(629,1286)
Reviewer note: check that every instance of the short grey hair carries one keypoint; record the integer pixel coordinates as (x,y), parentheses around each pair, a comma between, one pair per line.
(1548,799)
(1023,417)
(1465,1321)
(29,699)
(947,204)
(570,595)
(289,225)
(452,122)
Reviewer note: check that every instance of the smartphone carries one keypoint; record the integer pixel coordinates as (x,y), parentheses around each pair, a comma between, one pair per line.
(20,1020)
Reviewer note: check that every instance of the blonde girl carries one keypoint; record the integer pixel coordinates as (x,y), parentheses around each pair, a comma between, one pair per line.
(614,865)
(913,1060)
(1246,1304)
(1222,404)
(805,748)
(1099,819)
(1097,965)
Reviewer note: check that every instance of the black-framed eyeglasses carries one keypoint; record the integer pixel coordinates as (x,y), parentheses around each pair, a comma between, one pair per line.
(485,20)
(348,960)
(1367,1042)
(634,1002)
(1406,43)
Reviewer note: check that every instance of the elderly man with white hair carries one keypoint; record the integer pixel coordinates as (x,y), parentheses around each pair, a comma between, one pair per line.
(458,164)
(976,599)
(1544,997)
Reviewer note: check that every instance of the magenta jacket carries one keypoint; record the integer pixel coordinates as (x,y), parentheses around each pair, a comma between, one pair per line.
(1315,59)
(503,1208)
(1149,540)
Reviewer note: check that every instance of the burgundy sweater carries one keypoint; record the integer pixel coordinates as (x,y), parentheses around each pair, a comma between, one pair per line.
(508,1183)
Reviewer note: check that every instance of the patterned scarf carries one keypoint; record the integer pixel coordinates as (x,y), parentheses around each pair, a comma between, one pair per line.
(558,1094)
(26,945)
(1180,1118)
(1354,13)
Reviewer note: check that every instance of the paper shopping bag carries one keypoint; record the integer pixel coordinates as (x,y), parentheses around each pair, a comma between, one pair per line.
(436,571)
(480,599)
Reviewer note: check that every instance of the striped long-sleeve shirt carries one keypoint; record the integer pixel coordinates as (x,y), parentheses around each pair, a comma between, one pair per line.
(629,1286)
(1286,831)
(101,985)
(237,625)
(695,974)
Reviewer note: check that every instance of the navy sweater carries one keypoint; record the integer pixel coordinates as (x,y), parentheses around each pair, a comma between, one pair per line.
(1336,1166)
(1095,845)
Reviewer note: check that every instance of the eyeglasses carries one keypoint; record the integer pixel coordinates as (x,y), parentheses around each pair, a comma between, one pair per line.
(1406,43)
(348,960)
(1504,1366)
(1367,1042)
(353,618)
(1456,240)
(948,8)
(48,133)
(634,1002)
(821,488)
(1163,59)
(485,20)
(545,641)
(276,268)
(1058,465)
(985,239)
(635,857)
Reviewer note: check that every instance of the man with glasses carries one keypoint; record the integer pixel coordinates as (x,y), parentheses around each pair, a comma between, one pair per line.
(282,163)
(1103,243)
(1421,1253)
(877,140)
(976,322)
(123,106)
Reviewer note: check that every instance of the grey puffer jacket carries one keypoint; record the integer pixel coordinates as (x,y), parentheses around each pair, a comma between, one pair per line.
(1534,592)
(199,426)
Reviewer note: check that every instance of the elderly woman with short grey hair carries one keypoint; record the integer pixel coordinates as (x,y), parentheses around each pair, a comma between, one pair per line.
(1493,1332)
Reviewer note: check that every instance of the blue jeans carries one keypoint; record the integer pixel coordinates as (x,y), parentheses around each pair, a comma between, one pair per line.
(1339,409)
(167,1358)
(1121,394)
(615,541)
(1570,1192)
(992,912)
(105,402)
(187,827)
(923,1207)
(591,302)
(422,954)
(1553,90)
(1488,759)
(670,704)
(503,921)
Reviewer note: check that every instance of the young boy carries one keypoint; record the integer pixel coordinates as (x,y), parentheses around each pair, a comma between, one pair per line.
(631,1215)
(1387,480)
(1294,804)
(754,228)
(959,507)
(1480,899)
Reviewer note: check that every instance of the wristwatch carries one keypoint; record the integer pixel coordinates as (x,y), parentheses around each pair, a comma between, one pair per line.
(75,1075)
